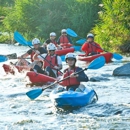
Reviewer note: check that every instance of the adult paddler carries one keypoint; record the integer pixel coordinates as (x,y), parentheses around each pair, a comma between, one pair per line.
(90,47)
(31,52)
(51,62)
(64,40)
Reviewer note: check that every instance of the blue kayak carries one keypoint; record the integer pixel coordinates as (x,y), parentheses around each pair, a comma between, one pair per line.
(72,98)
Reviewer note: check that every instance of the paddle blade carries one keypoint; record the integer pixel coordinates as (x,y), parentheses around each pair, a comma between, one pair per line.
(77,48)
(32,94)
(62,57)
(29,43)
(81,41)
(97,63)
(19,38)
(71,32)
(117,56)
(3,58)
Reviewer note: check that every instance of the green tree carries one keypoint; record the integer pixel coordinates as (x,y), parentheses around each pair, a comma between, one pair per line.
(112,31)
(37,18)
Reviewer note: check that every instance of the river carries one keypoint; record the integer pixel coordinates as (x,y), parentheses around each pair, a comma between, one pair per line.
(18,112)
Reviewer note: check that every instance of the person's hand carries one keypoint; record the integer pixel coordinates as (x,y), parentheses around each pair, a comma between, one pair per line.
(56,67)
(19,57)
(37,52)
(73,75)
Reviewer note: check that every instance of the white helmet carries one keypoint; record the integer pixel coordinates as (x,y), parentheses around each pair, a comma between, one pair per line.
(51,46)
(70,55)
(63,31)
(90,35)
(35,41)
(53,34)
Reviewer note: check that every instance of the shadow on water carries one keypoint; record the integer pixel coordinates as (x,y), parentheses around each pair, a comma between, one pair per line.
(98,110)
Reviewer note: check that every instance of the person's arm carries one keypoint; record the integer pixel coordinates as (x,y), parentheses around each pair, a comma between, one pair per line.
(37,57)
(26,54)
(85,48)
(58,41)
(81,77)
(70,41)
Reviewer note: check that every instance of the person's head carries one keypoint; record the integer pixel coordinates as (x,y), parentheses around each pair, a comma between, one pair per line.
(36,43)
(51,48)
(63,32)
(70,58)
(52,35)
(90,37)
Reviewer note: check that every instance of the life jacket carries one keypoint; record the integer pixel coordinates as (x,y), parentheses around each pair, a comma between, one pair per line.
(32,54)
(64,39)
(54,42)
(51,60)
(91,48)
(70,81)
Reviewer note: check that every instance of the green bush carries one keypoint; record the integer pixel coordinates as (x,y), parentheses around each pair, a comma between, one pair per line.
(113,29)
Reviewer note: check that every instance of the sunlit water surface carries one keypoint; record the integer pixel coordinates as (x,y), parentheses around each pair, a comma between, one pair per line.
(18,112)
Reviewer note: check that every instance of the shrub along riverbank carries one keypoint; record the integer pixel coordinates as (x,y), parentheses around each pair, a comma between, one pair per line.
(108,20)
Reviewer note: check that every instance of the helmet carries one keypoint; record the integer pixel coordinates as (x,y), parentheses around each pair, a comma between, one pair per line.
(53,34)
(51,46)
(35,41)
(70,55)
(90,35)
(63,31)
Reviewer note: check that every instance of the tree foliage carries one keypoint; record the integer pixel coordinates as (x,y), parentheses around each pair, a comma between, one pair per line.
(37,18)
(113,28)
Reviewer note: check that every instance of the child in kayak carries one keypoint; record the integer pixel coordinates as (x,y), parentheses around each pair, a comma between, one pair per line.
(90,47)
(73,82)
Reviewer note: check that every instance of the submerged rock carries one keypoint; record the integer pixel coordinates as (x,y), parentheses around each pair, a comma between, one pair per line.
(122,71)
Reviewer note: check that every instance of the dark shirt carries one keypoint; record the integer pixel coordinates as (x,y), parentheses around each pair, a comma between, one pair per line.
(40,49)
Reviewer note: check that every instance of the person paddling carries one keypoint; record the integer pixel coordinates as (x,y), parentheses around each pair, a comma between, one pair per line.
(64,40)
(73,83)
(90,47)
(31,52)
(51,64)
(52,39)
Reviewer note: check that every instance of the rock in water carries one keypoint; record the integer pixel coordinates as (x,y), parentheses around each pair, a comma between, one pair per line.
(122,71)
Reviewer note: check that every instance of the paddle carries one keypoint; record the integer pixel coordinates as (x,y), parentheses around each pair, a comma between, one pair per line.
(8,57)
(22,41)
(95,64)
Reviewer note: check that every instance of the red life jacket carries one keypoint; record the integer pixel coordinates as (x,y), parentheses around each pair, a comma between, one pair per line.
(54,42)
(51,59)
(64,39)
(32,54)
(91,48)
(69,81)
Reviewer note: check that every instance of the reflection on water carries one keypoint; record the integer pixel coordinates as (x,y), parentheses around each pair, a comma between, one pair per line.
(111,112)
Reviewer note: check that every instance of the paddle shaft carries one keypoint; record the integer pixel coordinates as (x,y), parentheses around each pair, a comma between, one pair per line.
(47,60)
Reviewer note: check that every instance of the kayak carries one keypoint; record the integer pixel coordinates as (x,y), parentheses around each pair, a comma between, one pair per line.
(64,51)
(11,68)
(39,78)
(108,56)
(72,99)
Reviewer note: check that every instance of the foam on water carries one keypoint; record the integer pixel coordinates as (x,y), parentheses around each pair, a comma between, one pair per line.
(18,112)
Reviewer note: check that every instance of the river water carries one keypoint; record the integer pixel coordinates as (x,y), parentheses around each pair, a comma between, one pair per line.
(18,112)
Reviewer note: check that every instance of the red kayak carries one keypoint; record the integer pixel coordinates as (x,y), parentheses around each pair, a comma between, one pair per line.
(64,51)
(39,78)
(11,68)
(107,55)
